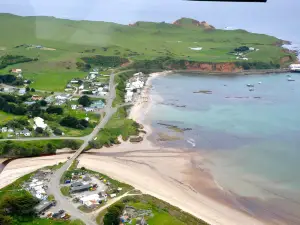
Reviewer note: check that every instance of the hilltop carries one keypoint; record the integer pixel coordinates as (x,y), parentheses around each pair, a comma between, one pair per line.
(59,44)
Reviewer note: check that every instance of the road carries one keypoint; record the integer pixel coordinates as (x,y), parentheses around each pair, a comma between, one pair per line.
(54,184)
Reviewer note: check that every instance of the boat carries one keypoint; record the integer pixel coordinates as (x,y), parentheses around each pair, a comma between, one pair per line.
(259,82)
(295,68)
(250,85)
(290,79)
(251,89)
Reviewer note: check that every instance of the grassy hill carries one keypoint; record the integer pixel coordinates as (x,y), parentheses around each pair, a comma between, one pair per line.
(67,41)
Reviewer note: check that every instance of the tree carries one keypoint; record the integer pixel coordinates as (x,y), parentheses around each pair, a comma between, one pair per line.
(69,121)
(55,109)
(57,131)
(84,100)
(32,90)
(84,123)
(19,203)
(43,102)
(112,217)
(6,220)
(34,109)
(39,130)
(27,89)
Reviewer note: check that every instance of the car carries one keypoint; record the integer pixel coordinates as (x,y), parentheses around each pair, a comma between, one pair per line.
(55,215)
(61,211)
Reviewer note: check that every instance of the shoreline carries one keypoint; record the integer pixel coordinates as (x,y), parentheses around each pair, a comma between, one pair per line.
(169,174)
(244,72)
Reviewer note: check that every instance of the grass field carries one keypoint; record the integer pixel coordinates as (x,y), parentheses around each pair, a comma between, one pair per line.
(72,40)
(52,81)
(5,117)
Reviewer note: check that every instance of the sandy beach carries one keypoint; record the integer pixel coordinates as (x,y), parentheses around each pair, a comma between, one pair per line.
(20,167)
(169,174)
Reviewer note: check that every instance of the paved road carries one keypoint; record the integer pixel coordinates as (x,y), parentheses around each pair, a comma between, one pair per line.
(54,184)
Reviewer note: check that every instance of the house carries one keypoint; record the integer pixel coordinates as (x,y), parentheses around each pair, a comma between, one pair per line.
(36,97)
(25,132)
(80,188)
(39,122)
(76,184)
(89,109)
(73,107)
(4,129)
(43,206)
(97,105)
(81,87)
(87,119)
(91,200)
(62,97)
(16,70)
(74,81)
(10,130)
(251,49)
(22,91)
(244,58)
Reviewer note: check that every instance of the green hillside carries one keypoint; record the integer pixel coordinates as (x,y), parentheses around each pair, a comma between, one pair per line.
(67,41)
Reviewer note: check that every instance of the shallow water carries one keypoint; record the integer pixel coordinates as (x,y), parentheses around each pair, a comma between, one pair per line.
(250,138)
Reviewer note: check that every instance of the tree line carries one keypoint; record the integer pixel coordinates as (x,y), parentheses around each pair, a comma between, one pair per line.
(7,60)
(35,148)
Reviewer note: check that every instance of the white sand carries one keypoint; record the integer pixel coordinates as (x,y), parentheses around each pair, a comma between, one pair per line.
(20,167)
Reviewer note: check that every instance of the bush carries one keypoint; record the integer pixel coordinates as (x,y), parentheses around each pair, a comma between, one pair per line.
(70,121)
(85,100)
(55,110)
(39,130)
(57,131)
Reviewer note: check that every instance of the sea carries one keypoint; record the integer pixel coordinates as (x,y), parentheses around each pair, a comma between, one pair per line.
(249,136)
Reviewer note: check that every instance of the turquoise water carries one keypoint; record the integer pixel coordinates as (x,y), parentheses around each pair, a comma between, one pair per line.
(250,138)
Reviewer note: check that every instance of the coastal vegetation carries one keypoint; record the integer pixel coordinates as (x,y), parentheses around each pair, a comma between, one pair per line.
(161,212)
(118,125)
(35,148)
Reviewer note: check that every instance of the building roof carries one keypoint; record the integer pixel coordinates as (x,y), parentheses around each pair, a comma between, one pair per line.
(39,122)
(43,206)
(80,188)
(76,184)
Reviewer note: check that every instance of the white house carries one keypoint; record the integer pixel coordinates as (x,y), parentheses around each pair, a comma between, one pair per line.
(10,130)
(251,49)
(81,87)
(73,107)
(91,200)
(74,81)
(22,91)
(25,132)
(39,122)
(89,109)
(4,129)
(244,58)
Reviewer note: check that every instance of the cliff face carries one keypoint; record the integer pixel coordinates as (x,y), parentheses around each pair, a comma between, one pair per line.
(192,22)
(210,67)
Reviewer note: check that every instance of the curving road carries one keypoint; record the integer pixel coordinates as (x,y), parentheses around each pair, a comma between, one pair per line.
(54,184)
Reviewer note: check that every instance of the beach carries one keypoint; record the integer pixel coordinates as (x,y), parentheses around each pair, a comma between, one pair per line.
(169,174)
(20,167)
